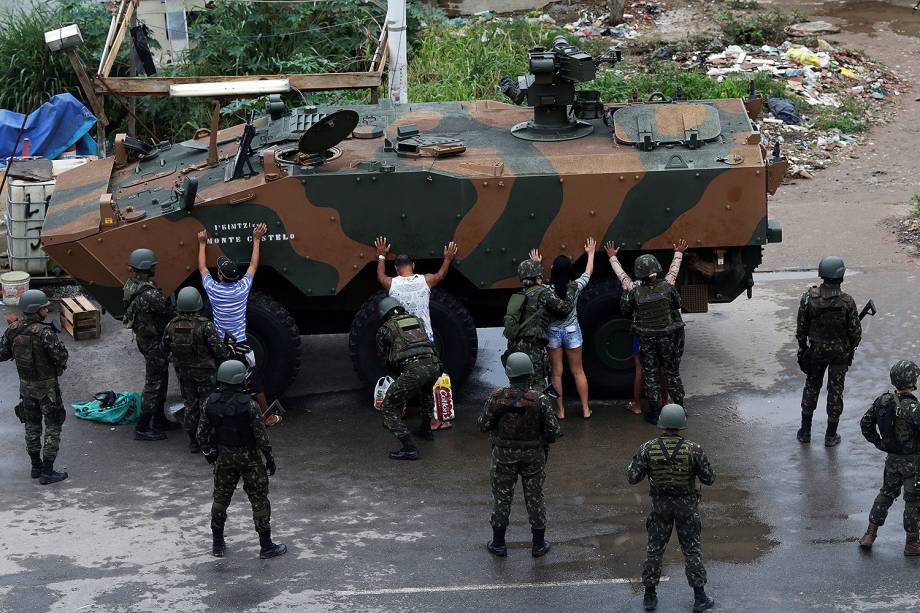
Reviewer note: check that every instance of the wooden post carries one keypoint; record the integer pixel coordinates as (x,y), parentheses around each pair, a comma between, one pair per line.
(119,37)
(94,101)
(132,102)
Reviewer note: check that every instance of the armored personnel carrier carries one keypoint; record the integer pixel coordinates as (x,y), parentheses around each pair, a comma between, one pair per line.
(497,178)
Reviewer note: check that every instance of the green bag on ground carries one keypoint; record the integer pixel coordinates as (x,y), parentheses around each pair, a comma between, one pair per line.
(124,410)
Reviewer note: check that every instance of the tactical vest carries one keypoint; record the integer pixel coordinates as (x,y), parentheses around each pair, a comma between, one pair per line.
(186,336)
(893,424)
(670,468)
(653,307)
(827,314)
(229,414)
(32,361)
(524,429)
(409,338)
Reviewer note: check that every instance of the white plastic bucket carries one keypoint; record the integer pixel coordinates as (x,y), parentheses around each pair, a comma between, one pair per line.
(14,285)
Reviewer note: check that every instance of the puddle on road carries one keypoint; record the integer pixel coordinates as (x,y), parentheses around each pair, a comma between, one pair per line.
(870,16)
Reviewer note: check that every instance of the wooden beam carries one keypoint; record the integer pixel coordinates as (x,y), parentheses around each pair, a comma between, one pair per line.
(119,37)
(87,85)
(159,86)
(113,25)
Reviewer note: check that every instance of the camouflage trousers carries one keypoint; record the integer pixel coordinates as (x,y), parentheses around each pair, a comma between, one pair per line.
(836,367)
(668,512)
(417,379)
(536,351)
(507,464)
(900,470)
(156,383)
(196,387)
(232,465)
(660,352)
(42,402)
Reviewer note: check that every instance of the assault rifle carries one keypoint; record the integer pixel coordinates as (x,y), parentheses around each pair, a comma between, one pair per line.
(870,309)
(238,351)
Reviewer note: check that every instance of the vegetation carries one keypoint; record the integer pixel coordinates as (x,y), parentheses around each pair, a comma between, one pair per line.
(756,28)
(850,118)
(915,206)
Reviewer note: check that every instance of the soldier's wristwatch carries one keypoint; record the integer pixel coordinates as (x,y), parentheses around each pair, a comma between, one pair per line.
(381,257)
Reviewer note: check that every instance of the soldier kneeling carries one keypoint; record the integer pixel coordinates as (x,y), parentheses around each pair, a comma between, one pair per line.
(232,435)
(523,424)
(672,465)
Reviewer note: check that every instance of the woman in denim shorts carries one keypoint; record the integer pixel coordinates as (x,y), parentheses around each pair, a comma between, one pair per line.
(565,334)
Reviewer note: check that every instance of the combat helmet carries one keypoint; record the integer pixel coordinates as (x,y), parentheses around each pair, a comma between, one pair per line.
(672,417)
(142,259)
(388,305)
(189,300)
(904,374)
(32,301)
(231,372)
(518,365)
(831,267)
(530,269)
(647,265)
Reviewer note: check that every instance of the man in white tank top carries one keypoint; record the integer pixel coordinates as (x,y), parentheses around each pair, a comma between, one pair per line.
(413,290)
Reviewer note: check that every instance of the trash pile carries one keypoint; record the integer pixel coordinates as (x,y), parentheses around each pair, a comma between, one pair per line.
(593,24)
(822,77)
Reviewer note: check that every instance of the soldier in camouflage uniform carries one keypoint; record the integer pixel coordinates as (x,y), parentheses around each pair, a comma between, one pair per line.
(403,345)
(828,332)
(232,436)
(529,315)
(195,348)
(146,312)
(40,358)
(653,304)
(892,424)
(672,465)
(523,424)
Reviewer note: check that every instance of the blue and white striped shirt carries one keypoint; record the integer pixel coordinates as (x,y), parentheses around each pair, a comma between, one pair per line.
(228,303)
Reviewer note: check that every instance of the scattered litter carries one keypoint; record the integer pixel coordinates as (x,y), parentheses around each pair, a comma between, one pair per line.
(784,110)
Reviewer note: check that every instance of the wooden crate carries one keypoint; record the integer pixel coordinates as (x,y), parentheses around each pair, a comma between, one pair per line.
(80,318)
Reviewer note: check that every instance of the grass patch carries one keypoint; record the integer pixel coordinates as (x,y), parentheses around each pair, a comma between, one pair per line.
(742,5)
(758,28)
(915,206)
(849,118)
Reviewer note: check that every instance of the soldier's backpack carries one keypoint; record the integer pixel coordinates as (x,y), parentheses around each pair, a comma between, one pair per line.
(886,416)
(514,319)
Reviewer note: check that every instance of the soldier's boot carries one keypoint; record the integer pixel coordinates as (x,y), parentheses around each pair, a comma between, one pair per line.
(869,537)
(701,602)
(408,452)
(148,435)
(218,545)
(36,465)
(912,545)
(268,549)
(541,546)
(804,433)
(652,413)
(193,446)
(650,600)
(424,429)
(497,545)
(49,475)
(831,438)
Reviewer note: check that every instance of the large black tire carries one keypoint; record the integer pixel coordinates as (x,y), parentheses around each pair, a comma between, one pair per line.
(275,339)
(607,356)
(454,331)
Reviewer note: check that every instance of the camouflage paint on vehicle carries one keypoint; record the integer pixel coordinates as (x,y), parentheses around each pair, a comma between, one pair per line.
(497,199)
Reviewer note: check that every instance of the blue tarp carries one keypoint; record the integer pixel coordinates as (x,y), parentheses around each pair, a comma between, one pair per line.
(51,129)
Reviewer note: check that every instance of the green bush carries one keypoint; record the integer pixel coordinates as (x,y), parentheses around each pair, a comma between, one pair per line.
(759,28)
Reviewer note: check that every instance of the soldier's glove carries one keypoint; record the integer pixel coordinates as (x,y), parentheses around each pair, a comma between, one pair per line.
(20,413)
(211,457)
(270,467)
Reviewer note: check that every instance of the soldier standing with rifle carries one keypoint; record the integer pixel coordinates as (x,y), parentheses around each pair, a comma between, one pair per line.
(828,332)
(40,358)
(403,345)
(523,424)
(652,304)
(528,316)
(146,312)
(672,465)
(892,424)
(196,350)
(232,436)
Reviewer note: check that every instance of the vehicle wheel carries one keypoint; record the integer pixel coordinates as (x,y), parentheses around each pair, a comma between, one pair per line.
(275,339)
(454,331)
(607,356)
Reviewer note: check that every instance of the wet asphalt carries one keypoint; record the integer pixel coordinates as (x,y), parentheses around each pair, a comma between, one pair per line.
(129,530)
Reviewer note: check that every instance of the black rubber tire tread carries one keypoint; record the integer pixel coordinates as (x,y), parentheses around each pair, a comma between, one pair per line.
(267,319)
(453,325)
(598,303)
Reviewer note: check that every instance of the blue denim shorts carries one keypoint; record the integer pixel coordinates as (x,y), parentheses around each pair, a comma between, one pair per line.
(568,337)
